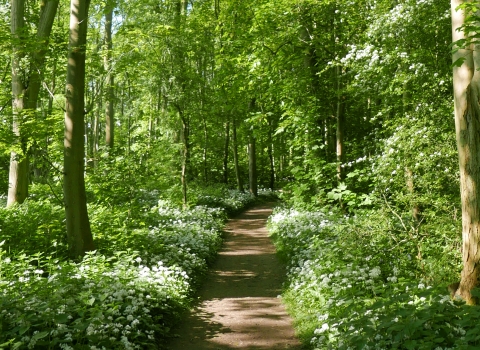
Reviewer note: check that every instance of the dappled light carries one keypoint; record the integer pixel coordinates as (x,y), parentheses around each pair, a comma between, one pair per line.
(240,305)
(142,144)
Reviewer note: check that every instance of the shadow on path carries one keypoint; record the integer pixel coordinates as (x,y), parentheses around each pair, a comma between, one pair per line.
(239,304)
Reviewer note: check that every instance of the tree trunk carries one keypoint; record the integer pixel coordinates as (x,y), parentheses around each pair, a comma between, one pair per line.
(17,177)
(185,155)
(466,86)
(96,132)
(408,171)
(205,149)
(109,111)
(225,153)
(235,156)
(270,155)
(23,97)
(252,165)
(79,236)
(340,126)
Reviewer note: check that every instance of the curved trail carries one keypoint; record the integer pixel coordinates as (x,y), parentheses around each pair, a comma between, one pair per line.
(239,306)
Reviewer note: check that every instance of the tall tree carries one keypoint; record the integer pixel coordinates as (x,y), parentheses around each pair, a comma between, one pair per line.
(225,152)
(109,111)
(466,88)
(25,91)
(235,156)
(79,235)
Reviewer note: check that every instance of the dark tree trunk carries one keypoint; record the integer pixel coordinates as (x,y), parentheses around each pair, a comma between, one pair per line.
(225,152)
(235,156)
(79,236)
(109,111)
(252,165)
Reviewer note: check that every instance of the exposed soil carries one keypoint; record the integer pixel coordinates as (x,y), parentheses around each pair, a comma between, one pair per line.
(239,306)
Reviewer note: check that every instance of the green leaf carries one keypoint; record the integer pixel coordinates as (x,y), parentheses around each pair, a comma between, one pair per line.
(459,62)
(23,330)
(40,335)
(17,345)
(61,318)
(7,343)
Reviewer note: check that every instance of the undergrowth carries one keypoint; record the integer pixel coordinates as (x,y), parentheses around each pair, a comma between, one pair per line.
(128,294)
(372,281)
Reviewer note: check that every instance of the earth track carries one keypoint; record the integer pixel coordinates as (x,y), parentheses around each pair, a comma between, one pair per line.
(239,306)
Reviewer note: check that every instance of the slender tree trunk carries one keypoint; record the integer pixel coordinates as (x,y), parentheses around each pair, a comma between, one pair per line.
(205,149)
(185,155)
(252,165)
(17,179)
(109,111)
(235,156)
(340,126)
(79,236)
(96,132)
(23,98)
(225,152)
(52,89)
(466,86)
(270,155)
(252,156)
(408,171)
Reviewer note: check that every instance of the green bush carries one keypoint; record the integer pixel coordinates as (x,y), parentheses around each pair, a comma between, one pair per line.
(126,295)
(372,282)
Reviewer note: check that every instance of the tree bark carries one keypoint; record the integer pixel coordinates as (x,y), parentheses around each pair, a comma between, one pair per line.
(235,156)
(185,155)
(409,177)
(205,149)
(270,155)
(79,236)
(252,165)
(109,111)
(96,132)
(23,97)
(340,126)
(466,86)
(225,152)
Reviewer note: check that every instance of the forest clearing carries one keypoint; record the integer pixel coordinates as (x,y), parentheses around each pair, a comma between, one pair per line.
(133,131)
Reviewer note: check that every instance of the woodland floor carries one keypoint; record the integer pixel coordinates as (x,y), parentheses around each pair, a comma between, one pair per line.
(239,305)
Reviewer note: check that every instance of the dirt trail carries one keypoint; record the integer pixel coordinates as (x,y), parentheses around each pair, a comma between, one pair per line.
(239,306)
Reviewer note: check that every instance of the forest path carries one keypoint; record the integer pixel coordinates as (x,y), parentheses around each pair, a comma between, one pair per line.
(239,306)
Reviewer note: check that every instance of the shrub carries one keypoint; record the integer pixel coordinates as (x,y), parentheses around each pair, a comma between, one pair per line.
(365,282)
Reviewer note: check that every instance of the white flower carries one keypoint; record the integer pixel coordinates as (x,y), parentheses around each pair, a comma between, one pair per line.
(324,328)
(375,272)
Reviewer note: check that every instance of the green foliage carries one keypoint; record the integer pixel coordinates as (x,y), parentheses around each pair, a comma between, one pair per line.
(127,294)
(34,226)
(220,196)
(112,302)
(371,281)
